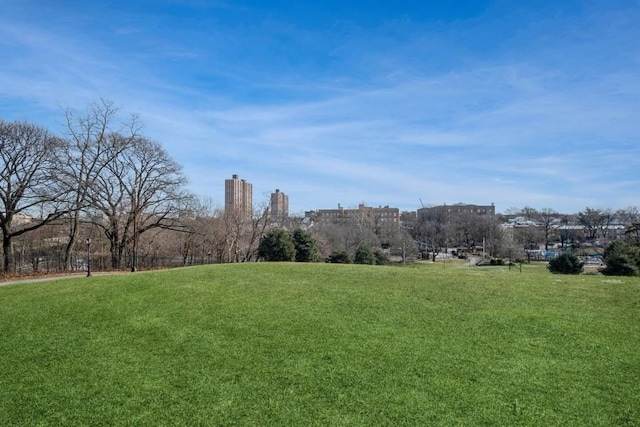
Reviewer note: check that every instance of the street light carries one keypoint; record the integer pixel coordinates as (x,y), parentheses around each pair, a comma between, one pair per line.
(134,255)
(88,257)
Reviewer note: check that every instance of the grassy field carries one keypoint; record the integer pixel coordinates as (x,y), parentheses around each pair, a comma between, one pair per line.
(319,344)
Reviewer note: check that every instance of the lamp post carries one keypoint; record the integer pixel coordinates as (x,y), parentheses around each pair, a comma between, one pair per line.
(134,255)
(88,257)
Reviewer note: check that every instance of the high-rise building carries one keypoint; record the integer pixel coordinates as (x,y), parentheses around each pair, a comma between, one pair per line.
(279,205)
(238,195)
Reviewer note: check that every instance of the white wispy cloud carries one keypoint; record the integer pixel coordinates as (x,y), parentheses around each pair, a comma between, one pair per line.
(530,123)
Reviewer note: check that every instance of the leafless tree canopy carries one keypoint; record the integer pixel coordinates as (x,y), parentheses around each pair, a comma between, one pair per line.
(93,142)
(29,185)
(139,189)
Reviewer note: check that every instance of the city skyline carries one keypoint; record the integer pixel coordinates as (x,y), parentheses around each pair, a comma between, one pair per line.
(394,103)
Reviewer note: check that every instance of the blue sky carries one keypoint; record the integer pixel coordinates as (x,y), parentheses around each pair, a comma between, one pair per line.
(527,103)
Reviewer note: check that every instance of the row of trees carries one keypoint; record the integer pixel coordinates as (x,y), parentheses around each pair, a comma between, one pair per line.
(591,224)
(437,231)
(281,245)
(103,184)
(514,233)
(99,175)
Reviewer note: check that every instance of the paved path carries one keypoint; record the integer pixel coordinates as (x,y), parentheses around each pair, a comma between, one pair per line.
(50,278)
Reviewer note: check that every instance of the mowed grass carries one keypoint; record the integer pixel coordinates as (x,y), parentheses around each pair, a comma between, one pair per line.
(319,344)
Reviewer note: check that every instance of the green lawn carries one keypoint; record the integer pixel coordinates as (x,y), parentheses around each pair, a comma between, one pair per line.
(322,344)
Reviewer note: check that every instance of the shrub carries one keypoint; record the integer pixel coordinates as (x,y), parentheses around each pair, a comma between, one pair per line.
(566,264)
(381,257)
(339,257)
(364,256)
(619,266)
(621,259)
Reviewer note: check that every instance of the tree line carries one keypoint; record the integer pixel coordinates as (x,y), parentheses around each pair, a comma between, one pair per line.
(102,192)
(100,176)
(519,230)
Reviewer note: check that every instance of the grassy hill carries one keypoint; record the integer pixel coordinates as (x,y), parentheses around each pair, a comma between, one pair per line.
(321,344)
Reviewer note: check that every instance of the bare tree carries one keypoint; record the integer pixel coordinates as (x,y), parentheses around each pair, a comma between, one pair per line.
(528,236)
(465,229)
(630,219)
(91,146)
(431,230)
(490,230)
(632,233)
(237,233)
(628,216)
(255,230)
(233,224)
(197,243)
(567,230)
(29,185)
(529,213)
(596,222)
(139,189)
(401,243)
(547,217)
(346,234)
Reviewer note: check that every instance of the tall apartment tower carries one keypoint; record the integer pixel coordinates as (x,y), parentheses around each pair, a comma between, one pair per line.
(279,205)
(238,195)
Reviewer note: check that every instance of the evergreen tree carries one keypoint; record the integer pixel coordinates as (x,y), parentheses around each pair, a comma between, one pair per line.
(566,264)
(277,245)
(305,246)
(621,259)
(364,256)
(381,257)
(339,257)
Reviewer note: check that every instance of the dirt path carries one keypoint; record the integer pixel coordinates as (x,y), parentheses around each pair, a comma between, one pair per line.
(53,277)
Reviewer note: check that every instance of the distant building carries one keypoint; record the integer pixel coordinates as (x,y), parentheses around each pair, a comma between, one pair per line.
(458,208)
(382,216)
(238,195)
(22,218)
(279,205)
